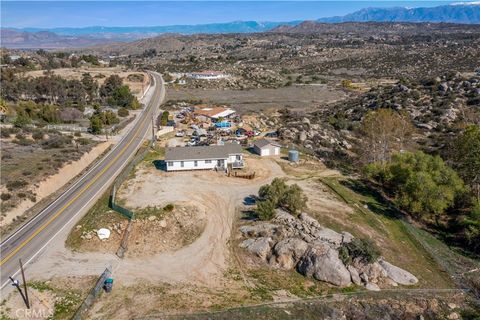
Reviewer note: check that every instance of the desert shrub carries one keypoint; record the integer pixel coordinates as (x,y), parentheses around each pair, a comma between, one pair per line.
(22,195)
(5,196)
(362,249)
(16,184)
(77,134)
(290,198)
(5,132)
(265,210)
(294,200)
(38,135)
(273,191)
(83,141)
(123,112)
(169,207)
(21,121)
(56,142)
(23,142)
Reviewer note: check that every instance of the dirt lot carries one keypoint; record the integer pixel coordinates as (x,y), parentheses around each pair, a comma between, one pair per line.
(100,74)
(153,231)
(212,272)
(298,97)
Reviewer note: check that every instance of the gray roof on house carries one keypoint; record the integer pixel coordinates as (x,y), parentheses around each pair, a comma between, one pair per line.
(264,142)
(203,152)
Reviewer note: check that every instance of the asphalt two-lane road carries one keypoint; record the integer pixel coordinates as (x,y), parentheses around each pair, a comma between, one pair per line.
(29,241)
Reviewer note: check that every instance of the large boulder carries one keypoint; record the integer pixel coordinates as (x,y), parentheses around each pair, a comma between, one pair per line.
(372,287)
(322,263)
(330,236)
(354,275)
(373,271)
(309,220)
(259,246)
(288,252)
(398,274)
(302,136)
(260,230)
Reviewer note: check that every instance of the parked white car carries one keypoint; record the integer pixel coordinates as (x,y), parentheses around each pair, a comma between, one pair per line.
(180,133)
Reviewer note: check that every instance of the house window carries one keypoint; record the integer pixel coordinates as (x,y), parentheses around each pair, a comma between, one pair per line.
(195,163)
(208,161)
(182,164)
(170,163)
(239,157)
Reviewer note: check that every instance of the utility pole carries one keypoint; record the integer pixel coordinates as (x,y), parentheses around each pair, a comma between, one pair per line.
(153,130)
(16,284)
(24,284)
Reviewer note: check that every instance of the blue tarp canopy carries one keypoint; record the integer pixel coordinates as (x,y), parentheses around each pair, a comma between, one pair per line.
(223,124)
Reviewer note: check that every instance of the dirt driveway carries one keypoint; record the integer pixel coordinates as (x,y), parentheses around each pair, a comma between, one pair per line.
(201,262)
(211,192)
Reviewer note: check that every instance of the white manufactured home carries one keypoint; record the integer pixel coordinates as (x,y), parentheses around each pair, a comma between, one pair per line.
(265,147)
(204,158)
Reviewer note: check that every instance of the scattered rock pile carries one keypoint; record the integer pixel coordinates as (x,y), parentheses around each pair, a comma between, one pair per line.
(303,244)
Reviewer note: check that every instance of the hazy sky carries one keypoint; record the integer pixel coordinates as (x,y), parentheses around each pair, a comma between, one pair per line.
(49,14)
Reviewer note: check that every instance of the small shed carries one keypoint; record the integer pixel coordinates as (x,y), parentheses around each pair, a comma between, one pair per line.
(266,147)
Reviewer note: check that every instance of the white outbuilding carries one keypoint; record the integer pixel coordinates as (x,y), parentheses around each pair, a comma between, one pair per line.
(265,147)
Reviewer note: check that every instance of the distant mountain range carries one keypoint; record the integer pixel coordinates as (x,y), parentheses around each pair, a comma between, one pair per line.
(377,28)
(454,13)
(108,32)
(14,39)
(468,13)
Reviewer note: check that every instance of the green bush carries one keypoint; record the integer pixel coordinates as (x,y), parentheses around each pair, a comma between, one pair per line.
(279,194)
(274,191)
(21,121)
(169,207)
(16,184)
(293,200)
(5,196)
(420,183)
(362,249)
(123,112)
(265,210)
(164,118)
(38,135)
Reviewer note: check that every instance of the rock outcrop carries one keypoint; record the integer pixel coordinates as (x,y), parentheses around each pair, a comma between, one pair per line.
(398,275)
(303,244)
(322,263)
